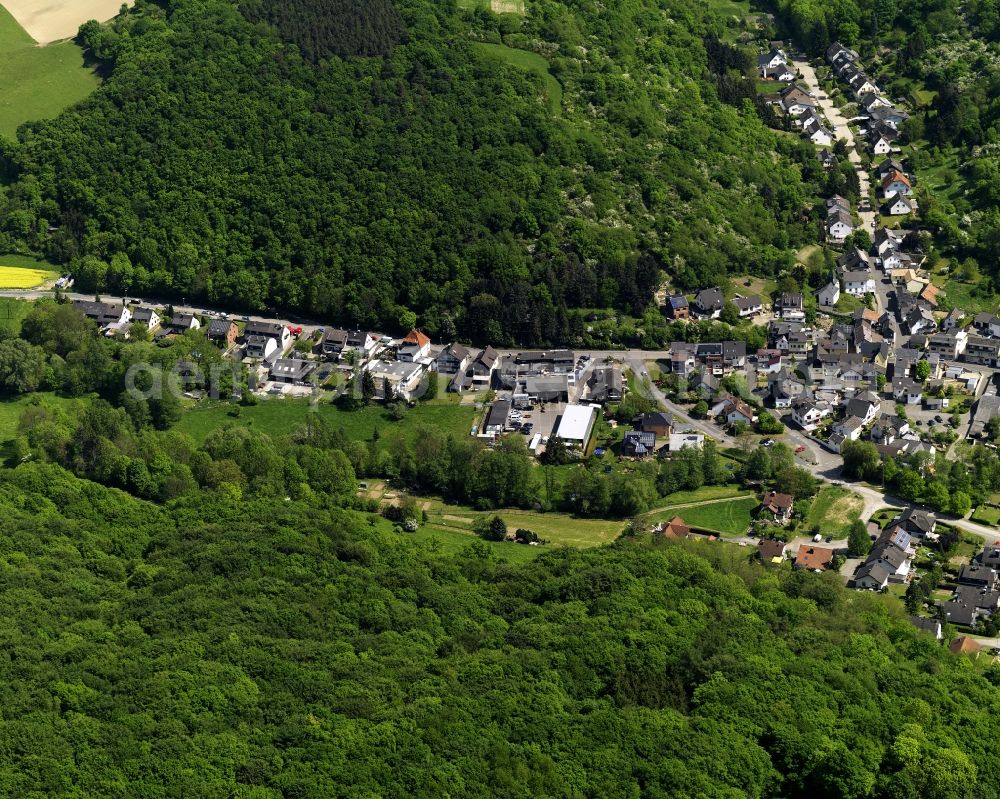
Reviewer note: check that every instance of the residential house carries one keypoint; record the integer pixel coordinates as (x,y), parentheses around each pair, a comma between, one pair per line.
(796,100)
(932,626)
(415,347)
(839,225)
(871,575)
(677,307)
(333,343)
(949,345)
(984,351)
(829,294)
(733,410)
(605,384)
(538,361)
(776,57)
(483,368)
(859,284)
(987,407)
(883,139)
(146,316)
(854,258)
(977,576)
(918,523)
(827,158)
(223,332)
(849,428)
(771,550)
(705,383)
(108,315)
(403,377)
(987,324)
(964,645)
(263,348)
(658,423)
(865,406)
(862,85)
(777,507)
(675,528)
(453,359)
(813,558)
(181,322)
(906,391)
(890,116)
(679,441)
(638,444)
(280,333)
(893,558)
(888,427)
(807,413)
(748,306)
(791,304)
(817,133)
(781,72)
(896,183)
(682,361)
(886,167)
(872,101)
(897,205)
(291,370)
(708,303)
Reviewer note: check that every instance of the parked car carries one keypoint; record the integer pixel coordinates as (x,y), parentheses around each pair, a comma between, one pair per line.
(767,442)
(800,449)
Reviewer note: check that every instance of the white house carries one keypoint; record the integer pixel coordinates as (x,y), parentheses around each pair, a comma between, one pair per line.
(678,441)
(882,143)
(906,391)
(819,135)
(403,377)
(859,283)
(807,413)
(775,58)
(839,224)
(898,205)
(414,347)
(850,428)
(829,294)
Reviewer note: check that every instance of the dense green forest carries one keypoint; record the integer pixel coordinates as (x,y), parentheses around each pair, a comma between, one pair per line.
(431,185)
(253,648)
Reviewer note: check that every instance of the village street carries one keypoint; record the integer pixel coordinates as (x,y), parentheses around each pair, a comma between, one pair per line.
(842,131)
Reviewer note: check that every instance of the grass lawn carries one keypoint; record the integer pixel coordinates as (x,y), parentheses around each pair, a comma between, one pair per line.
(848,303)
(12,312)
(39,82)
(559,529)
(279,417)
(700,495)
(450,542)
(11,410)
(961,295)
(985,514)
(726,518)
(834,510)
(532,62)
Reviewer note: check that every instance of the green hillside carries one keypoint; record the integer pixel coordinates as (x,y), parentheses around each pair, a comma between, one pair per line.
(38,82)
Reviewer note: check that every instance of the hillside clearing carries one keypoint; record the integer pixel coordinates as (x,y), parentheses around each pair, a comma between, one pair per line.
(39,82)
(532,62)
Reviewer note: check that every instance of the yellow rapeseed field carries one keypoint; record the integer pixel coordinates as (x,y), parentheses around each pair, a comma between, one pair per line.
(19,277)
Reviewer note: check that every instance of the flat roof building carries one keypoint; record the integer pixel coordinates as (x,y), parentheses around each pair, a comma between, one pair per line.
(576,424)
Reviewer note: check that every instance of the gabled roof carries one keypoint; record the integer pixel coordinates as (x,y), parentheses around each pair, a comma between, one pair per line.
(964,645)
(458,351)
(416,338)
(810,557)
(771,548)
(676,528)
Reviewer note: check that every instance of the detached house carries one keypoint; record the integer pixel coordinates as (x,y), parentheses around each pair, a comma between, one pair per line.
(483,367)
(146,316)
(897,205)
(777,507)
(859,284)
(807,413)
(282,335)
(839,224)
(223,332)
(896,183)
(748,306)
(677,307)
(829,294)
(791,304)
(708,303)
(638,444)
(775,58)
(883,139)
(415,347)
(453,359)
(796,101)
(107,315)
(733,410)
